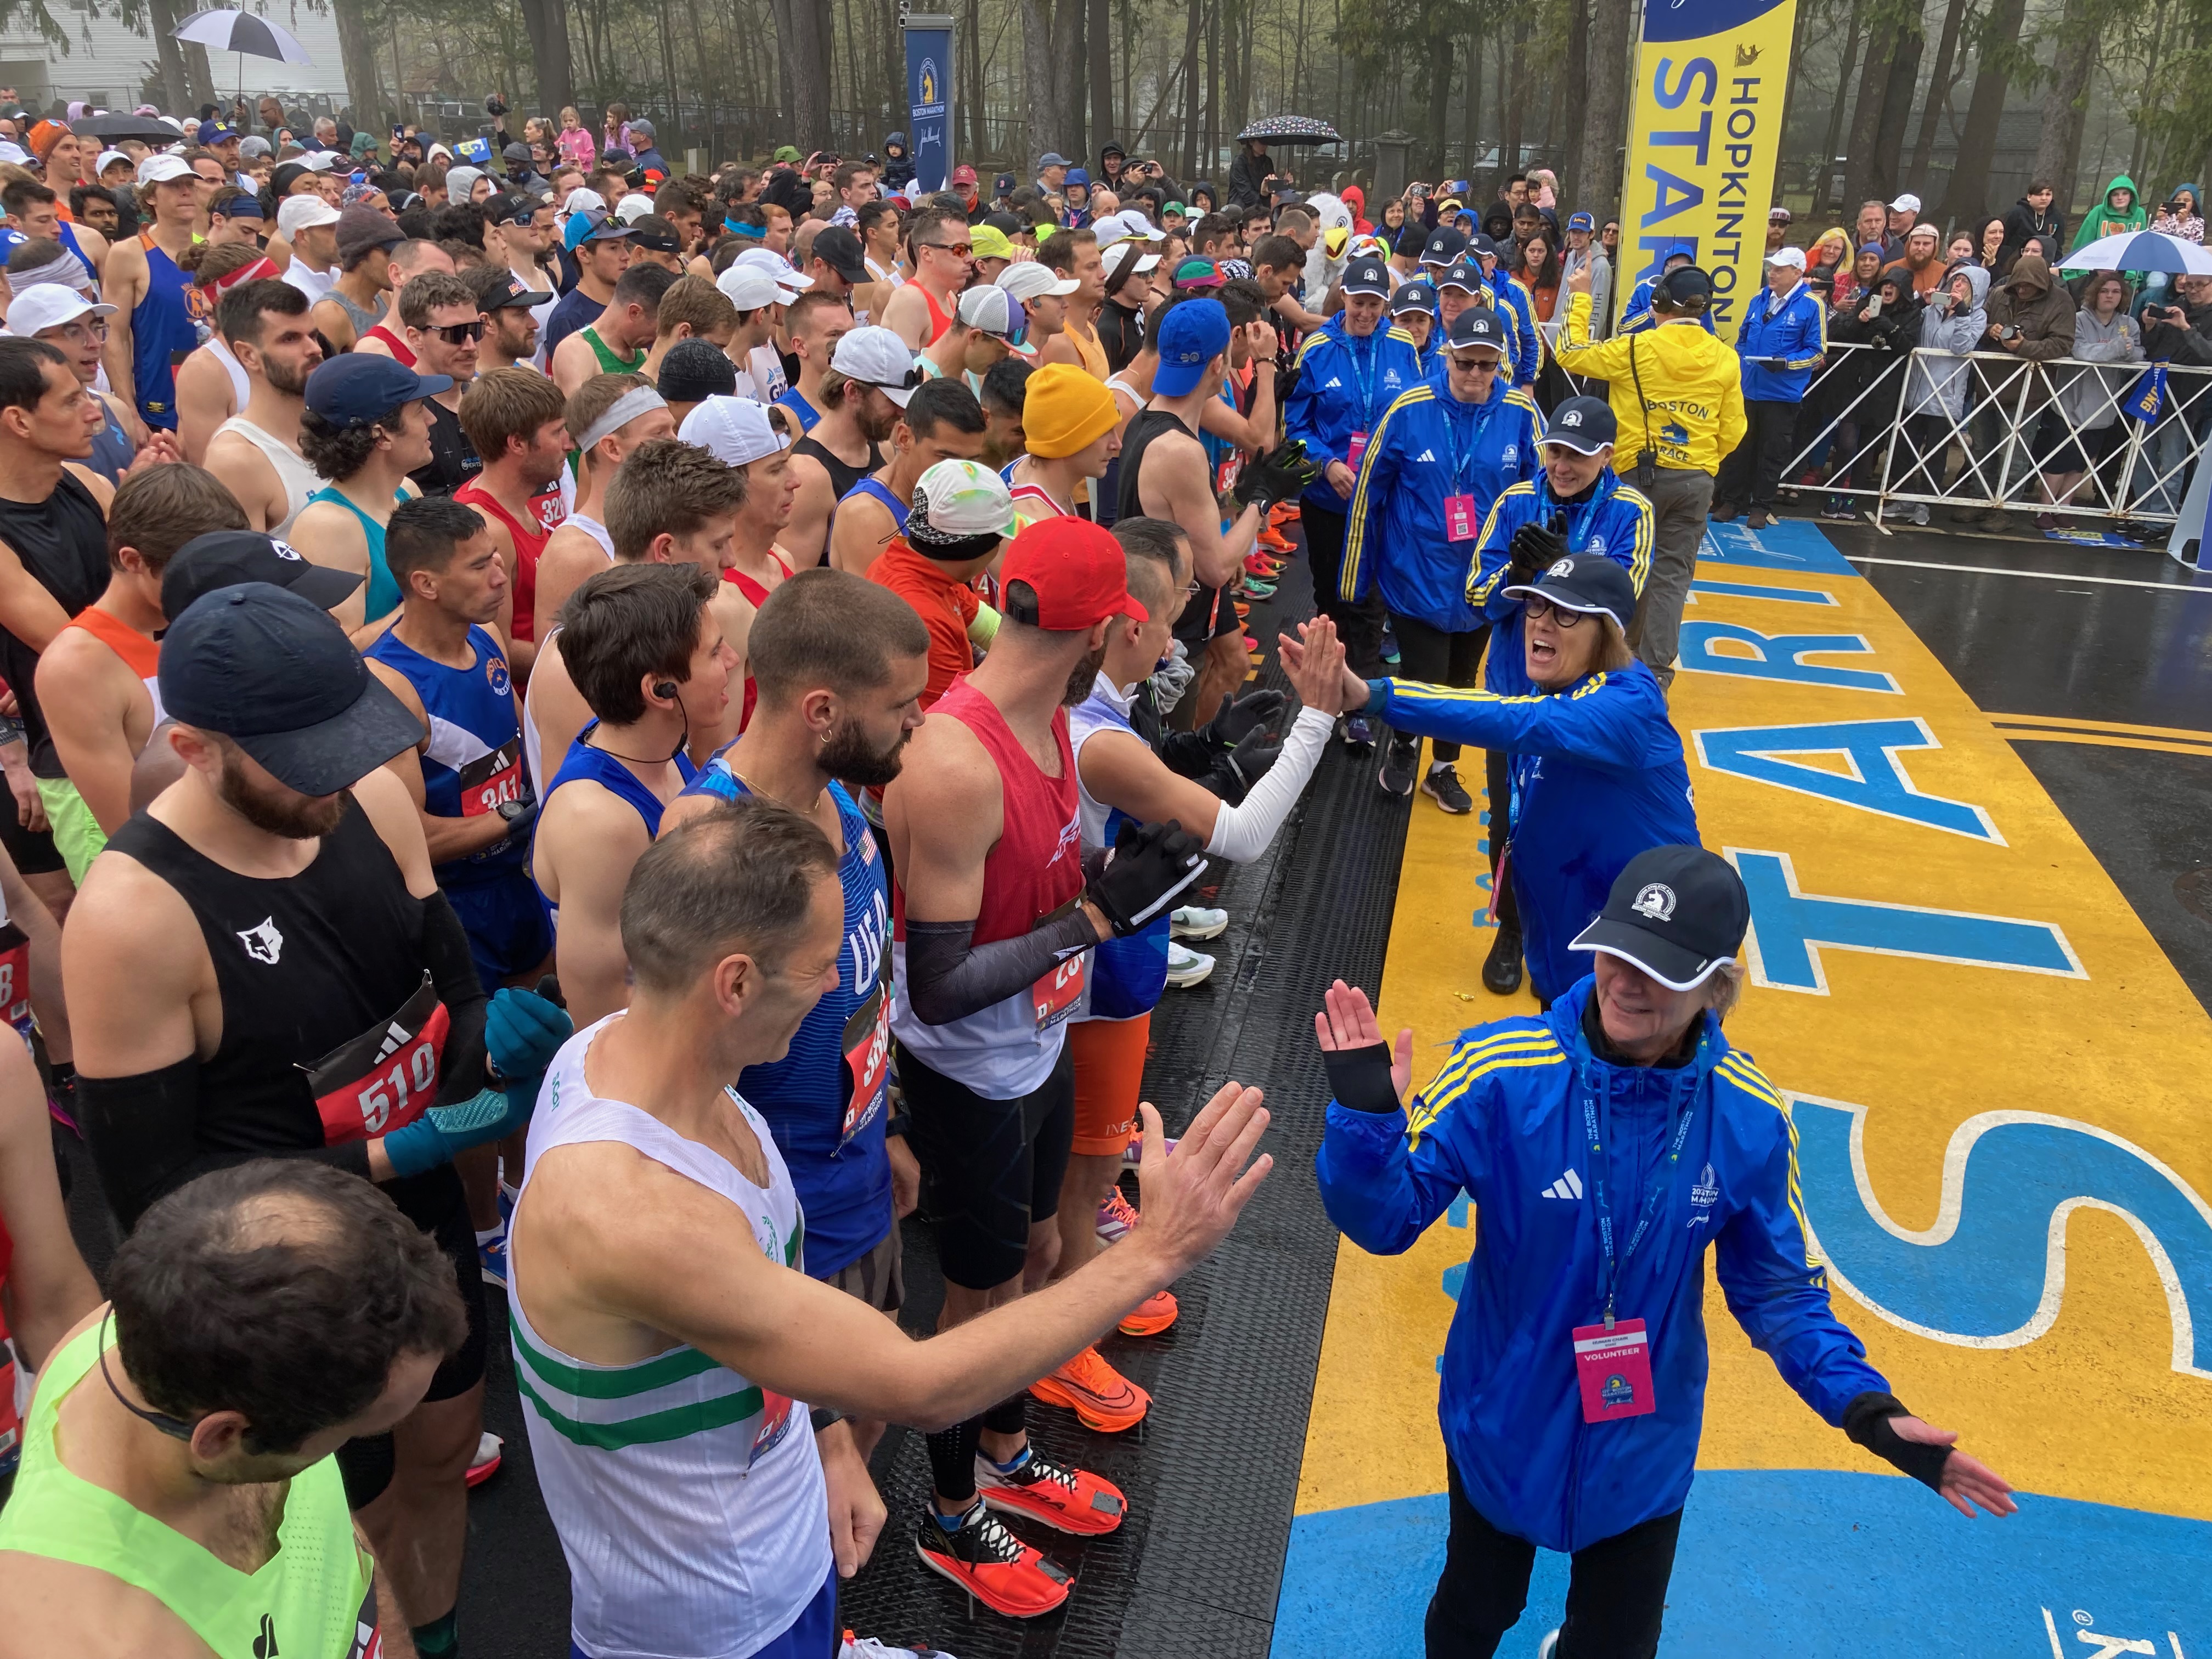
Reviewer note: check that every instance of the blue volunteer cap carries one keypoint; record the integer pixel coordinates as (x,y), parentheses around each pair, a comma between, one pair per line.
(1581,222)
(1367,275)
(1678,913)
(1191,336)
(1419,295)
(1476,327)
(358,389)
(1590,583)
(1584,425)
(1481,246)
(1466,275)
(270,670)
(1444,246)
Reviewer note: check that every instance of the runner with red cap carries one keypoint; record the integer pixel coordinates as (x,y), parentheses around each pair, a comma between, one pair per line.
(993,925)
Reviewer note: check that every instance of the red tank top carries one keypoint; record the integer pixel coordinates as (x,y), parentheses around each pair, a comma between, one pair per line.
(939,318)
(392,342)
(754,595)
(529,538)
(1037,865)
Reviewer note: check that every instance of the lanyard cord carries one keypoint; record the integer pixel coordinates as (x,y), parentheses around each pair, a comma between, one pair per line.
(1661,1181)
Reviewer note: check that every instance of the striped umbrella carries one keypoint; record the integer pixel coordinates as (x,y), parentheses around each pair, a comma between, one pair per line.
(2141,249)
(242,32)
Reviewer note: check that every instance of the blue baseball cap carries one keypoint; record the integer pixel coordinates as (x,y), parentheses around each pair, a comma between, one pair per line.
(1481,246)
(1465,275)
(1191,336)
(1581,222)
(1445,244)
(1367,275)
(358,389)
(1588,582)
(1476,327)
(1419,295)
(1584,425)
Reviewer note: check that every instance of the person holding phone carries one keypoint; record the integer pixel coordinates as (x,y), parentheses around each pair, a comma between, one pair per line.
(1783,341)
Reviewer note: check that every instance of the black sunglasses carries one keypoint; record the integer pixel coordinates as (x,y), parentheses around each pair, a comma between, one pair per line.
(454,333)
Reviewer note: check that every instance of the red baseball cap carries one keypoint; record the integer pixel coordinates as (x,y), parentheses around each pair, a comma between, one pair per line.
(964,174)
(1078,571)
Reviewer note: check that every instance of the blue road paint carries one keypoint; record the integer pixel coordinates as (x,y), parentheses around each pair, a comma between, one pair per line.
(1758,591)
(1991,1272)
(1789,928)
(1781,657)
(1878,783)
(1814,1563)
(1786,544)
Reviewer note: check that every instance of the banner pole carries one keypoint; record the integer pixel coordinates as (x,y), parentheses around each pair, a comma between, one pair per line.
(929,96)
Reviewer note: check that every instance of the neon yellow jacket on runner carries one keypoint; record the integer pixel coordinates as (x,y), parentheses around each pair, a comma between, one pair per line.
(312,1599)
(1692,389)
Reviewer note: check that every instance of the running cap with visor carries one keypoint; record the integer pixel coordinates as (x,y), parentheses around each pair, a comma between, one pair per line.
(1475,328)
(1590,583)
(735,431)
(1678,913)
(1444,246)
(962,510)
(875,356)
(1032,279)
(1075,571)
(1419,295)
(1368,276)
(1191,336)
(225,558)
(357,388)
(1584,425)
(273,672)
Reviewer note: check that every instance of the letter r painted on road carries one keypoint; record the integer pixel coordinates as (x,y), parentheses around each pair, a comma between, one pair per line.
(1877,783)
(1780,657)
(1789,928)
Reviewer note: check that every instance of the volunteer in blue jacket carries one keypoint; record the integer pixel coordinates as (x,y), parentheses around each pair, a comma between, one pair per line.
(1606,1144)
(1576,504)
(1437,462)
(1782,339)
(1413,308)
(1513,301)
(1597,769)
(1636,314)
(1350,370)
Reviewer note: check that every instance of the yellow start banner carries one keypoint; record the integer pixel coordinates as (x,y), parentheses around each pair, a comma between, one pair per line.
(1703,135)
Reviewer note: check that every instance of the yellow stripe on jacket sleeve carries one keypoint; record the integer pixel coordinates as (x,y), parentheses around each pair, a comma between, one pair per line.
(1747,1077)
(1478,588)
(1426,1110)
(1356,535)
(1639,558)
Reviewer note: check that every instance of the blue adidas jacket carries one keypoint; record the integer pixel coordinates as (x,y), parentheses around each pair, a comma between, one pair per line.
(1345,386)
(1615,521)
(1637,313)
(1397,541)
(1598,777)
(1796,330)
(1515,301)
(1503,1120)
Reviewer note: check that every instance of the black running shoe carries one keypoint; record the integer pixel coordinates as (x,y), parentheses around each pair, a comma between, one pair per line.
(1358,731)
(1442,787)
(1501,970)
(1400,756)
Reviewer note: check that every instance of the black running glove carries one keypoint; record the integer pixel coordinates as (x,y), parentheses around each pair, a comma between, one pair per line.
(1535,547)
(1866,1420)
(1280,475)
(1237,721)
(1360,1078)
(1151,864)
(1249,760)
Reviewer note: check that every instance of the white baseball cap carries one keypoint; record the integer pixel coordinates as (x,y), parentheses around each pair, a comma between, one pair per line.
(735,431)
(748,288)
(322,160)
(164,167)
(634,206)
(1032,279)
(108,158)
(875,356)
(1792,257)
(1128,225)
(990,310)
(579,200)
(793,282)
(299,213)
(49,305)
(1905,204)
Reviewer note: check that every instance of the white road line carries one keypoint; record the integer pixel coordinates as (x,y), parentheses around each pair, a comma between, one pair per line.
(2043,575)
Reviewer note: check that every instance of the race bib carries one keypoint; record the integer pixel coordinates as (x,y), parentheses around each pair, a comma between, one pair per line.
(776,1423)
(1355,450)
(385,1078)
(15,979)
(1056,994)
(1614,1369)
(868,1046)
(490,781)
(1459,518)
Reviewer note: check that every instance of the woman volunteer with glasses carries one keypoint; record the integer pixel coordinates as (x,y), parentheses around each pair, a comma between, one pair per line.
(1606,1144)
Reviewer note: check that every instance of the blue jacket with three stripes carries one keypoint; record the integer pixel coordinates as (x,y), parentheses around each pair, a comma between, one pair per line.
(1616,520)
(1505,1122)
(1346,384)
(1793,332)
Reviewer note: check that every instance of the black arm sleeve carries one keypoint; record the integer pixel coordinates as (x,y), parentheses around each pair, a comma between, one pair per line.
(1866,1420)
(140,1131)
(1360,1078)
(949,976)
(445,952)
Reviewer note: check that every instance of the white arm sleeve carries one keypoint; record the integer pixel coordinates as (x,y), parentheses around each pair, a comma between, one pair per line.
(1241,834)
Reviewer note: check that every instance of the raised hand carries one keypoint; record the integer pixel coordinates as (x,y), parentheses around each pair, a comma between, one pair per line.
(1194,1195)
(1346,1021)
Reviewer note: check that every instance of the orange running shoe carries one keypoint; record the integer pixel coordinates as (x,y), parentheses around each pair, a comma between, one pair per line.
(1150,1316)
(1097,1393)
(1243,608)
(1274,539)
(1066,1500)
(992,1565)
(1284,512)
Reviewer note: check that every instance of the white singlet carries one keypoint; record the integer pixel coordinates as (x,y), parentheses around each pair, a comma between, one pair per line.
(240,387)
(690,1501)
(299,479)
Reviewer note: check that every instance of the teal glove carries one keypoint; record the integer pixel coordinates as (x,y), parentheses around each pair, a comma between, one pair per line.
(442,1132)
(524,1029)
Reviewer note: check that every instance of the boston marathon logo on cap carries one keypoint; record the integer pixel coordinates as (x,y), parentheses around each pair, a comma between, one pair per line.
(1572,418)
(1655,900)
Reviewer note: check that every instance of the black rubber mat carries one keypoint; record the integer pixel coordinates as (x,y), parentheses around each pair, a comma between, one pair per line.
(1196,1567)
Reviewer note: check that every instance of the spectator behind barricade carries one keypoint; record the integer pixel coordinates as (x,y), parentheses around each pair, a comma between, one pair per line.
(1854,285)
(2179,215)
(1828,257)
(1583,251)
(2034,214)
(1936,390)
(2120,211)
(2030,316)
(2103,333)
(1923,258)
(1885,317)
(2179,332)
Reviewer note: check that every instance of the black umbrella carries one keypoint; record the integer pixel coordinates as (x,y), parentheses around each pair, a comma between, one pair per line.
(1291,130)
(113,128)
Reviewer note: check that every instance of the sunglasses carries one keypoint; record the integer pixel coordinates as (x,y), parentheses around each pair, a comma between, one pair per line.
(912,381)
(1537,610)
(961,250)
(455,333)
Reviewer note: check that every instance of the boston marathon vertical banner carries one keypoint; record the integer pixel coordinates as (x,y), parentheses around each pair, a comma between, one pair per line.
(929,97)
(1703,136)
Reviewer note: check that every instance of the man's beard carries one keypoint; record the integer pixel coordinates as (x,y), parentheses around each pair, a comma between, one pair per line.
(286,378)
(1083,677)
(302,817)
(848,757)
(875,430)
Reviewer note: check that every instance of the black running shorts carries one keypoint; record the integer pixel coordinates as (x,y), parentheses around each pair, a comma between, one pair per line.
(990,1168)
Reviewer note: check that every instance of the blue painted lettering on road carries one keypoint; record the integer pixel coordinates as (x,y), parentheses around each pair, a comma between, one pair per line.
(1877,783)
(1780,657)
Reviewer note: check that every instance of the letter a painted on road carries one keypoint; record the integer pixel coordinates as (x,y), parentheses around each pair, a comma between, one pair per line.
(1877,783)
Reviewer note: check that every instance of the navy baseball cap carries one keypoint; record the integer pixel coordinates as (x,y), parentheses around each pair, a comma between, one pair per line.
(1191,336)
(511,208)
(1581,222)
(602,226)
(358,389)
(1476,327)
(268,668)
(1481,246)
(1367,275)
(1588,582)
(1444,246)
(1678,913)
(1419,295)
(225,558)
(1465,275)
(1584,425)
(1684,284)
(509,293)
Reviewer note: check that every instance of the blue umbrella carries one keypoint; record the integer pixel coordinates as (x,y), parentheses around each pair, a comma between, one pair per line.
(2141,249)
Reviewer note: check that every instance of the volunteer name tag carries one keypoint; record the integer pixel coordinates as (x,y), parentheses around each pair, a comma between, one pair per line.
(1614,1369)
(1459,518)
(1355,450)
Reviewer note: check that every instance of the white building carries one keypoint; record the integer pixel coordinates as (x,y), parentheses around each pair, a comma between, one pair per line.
(107,63)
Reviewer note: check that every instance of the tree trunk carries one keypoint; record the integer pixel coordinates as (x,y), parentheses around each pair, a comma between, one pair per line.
(1882,39)
(1517,106)
(1575,76)
(1192,24)
(1209,128)
(161,18)
(802,30)
(1835,134)
(547,21)
(357,54)
(1997,50)
(2065,102)
(969,87)
(1473,113)
(1939,86)
(1099,39)
(1040,125)
(1605,110)
(1897,106)
(1067,21)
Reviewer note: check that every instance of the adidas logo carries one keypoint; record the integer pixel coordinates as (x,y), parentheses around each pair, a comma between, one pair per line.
(1425,455)
(1568,1186)
(1333,384)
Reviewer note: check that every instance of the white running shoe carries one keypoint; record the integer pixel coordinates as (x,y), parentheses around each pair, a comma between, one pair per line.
(1187,967)
(1196,921)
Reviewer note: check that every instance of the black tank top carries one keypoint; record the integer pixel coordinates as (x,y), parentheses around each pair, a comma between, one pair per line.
(63,543)
(304,966)
(1144,425)
(842,476)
